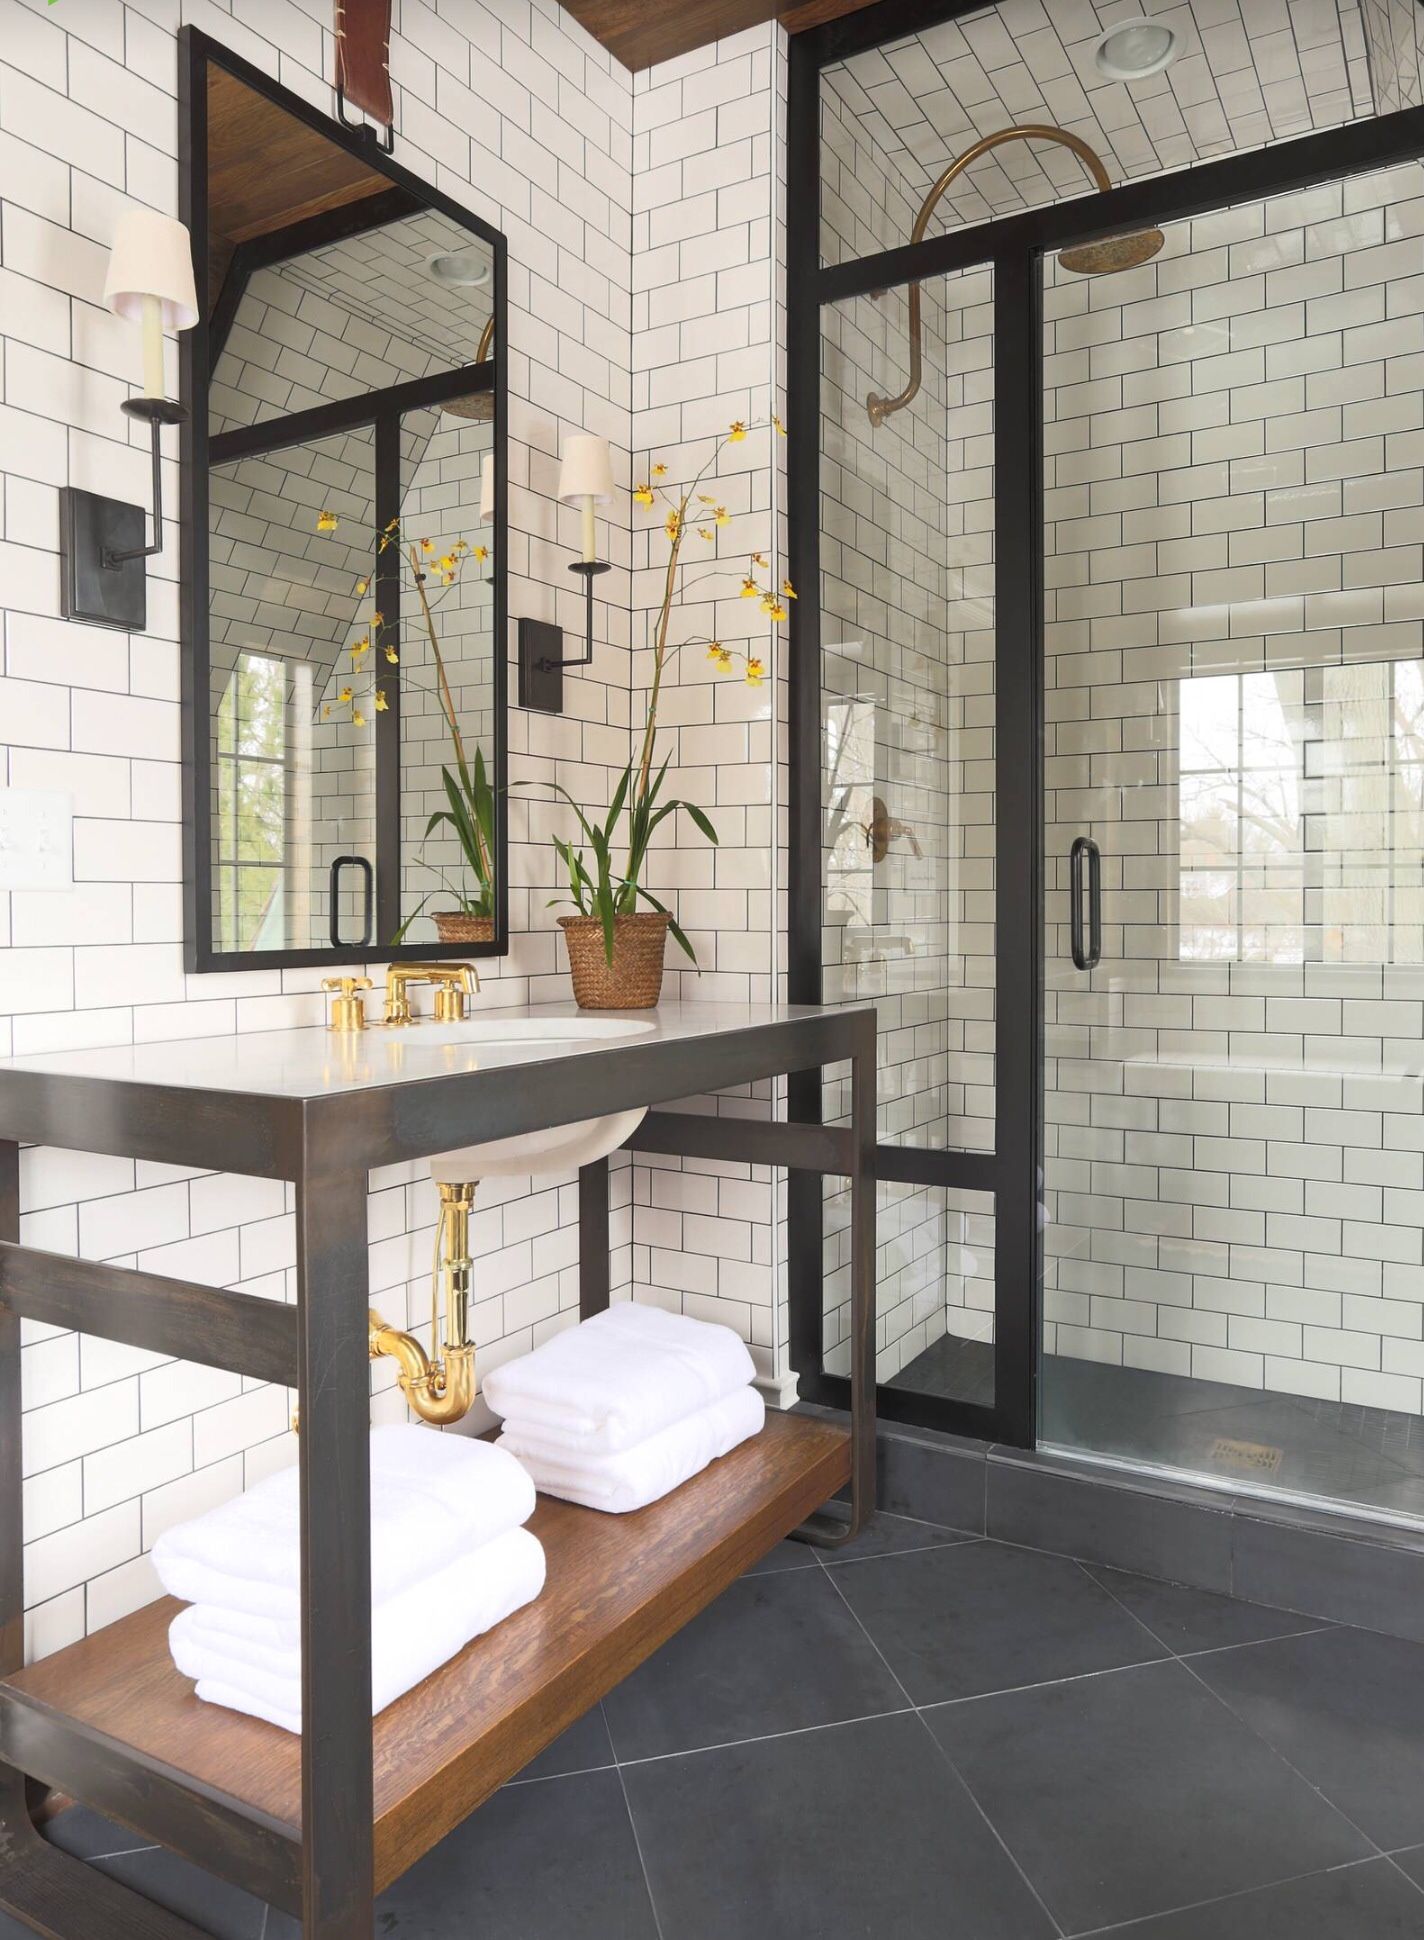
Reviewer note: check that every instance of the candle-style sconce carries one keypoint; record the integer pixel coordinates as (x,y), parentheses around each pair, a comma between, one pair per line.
(103,578)
(585,478)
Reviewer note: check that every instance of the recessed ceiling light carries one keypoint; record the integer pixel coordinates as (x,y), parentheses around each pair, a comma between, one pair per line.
(1130,50)
(460,269)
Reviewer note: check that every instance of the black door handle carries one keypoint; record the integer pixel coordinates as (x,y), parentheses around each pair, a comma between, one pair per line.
(368,901)
(1085,848)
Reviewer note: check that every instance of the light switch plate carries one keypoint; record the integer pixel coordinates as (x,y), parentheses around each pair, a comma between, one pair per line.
(36,839)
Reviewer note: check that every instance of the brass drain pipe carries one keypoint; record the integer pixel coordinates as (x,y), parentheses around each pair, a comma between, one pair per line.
(439,1390)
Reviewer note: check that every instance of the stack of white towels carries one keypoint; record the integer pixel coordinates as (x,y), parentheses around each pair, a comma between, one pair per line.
(618,1411)
(449,1560)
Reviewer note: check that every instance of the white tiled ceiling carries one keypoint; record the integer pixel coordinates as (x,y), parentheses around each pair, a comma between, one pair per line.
(1249,72)
(382,275)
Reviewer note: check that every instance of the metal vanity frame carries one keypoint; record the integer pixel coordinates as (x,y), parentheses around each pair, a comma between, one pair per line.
(327,1146)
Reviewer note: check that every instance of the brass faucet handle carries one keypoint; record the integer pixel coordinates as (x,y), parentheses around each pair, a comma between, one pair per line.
(452,983)
(348,1012)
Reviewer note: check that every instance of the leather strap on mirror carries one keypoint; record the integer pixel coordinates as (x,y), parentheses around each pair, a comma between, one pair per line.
(363,51)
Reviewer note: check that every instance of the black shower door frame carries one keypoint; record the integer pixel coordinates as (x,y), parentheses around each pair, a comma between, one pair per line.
(1014,248)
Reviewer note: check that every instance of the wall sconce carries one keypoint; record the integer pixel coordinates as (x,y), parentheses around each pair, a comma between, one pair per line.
(103,578)
(585,477)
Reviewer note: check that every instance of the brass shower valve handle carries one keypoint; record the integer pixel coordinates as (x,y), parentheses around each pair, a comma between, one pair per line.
(348,1012)
(453,984)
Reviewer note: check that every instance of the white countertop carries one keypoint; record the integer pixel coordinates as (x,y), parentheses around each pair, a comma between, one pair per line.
(317,1063)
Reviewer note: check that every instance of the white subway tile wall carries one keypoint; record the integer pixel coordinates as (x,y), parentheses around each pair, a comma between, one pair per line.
(1235,476)
(514,111)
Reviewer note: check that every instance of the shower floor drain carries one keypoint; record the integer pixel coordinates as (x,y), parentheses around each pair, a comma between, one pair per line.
(1258,1457)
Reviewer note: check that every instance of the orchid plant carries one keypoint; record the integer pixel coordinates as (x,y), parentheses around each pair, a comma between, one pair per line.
(597,885)
(434,572)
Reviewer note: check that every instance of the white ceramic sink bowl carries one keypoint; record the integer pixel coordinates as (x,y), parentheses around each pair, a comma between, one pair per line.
(563,1148)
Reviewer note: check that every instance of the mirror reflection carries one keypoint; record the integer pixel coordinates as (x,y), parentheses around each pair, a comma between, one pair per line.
(354,735)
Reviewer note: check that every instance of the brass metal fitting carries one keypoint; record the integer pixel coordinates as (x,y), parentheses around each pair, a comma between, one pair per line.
(348,1012)
(439,1390)
(452,983)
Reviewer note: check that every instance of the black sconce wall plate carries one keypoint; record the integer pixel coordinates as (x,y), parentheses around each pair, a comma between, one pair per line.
(541,649)
(90,528)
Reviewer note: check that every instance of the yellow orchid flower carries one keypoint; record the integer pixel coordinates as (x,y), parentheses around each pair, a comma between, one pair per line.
(361,586)
(705,532)
(750,590)
(381,702)
(392,656)
(376,619)
(326,712)
(788,591)
(327,522)
(479,553)
(672,525)
(462,545)
(722,515)
(778,424)
(643,495)
(358,719)
(345,694)
(446,562)
(756,673)
(659,471)
(720,657)
(759,559)
(427,545)
(774,608)
(737,432)
(705,498)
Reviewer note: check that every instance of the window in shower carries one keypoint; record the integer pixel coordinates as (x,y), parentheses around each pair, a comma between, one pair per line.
(1299,822)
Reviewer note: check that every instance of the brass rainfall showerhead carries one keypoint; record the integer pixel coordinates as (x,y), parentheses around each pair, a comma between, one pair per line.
(1103,258)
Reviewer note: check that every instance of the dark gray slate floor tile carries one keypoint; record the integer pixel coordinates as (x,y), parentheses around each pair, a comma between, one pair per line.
(1365,1902)
(1137,1792)
(211,1904)
(982,1617)
(536,1862)
(773,1653)
(887,1535)
(1186,1619)
(861,1832)
(1346,1707)
(584,1747)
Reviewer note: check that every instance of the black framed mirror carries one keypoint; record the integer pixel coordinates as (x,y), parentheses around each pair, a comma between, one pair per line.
(343,543)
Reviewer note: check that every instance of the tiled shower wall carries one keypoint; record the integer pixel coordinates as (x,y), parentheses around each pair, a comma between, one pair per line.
(514,111)
(1235,446)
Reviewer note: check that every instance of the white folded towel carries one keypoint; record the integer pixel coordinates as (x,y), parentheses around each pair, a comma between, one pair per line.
(412,1633)
(619,1377)
(433,1497)
(634,1477)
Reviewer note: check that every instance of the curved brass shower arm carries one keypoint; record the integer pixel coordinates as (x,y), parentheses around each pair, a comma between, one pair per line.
(879,408)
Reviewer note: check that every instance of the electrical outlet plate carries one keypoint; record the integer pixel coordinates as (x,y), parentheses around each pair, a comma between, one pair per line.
(36,839)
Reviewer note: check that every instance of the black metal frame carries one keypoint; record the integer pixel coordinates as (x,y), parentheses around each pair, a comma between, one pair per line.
(327,1145)
(197,53)
(1013,246)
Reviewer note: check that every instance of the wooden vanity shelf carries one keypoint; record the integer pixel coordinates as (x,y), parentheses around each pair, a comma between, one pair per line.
(618,1586)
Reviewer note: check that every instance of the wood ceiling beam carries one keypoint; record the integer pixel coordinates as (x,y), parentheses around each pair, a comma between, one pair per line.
(640,34)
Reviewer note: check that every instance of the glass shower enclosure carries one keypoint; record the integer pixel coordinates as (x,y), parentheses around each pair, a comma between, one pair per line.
(1108,791)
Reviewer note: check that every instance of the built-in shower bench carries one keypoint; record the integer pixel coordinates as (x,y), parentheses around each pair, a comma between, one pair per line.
(321,1823)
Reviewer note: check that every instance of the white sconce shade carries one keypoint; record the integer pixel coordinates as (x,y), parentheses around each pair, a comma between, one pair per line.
(586,473)
(487,487)
(150,277)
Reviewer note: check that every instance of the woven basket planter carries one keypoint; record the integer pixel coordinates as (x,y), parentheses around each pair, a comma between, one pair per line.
(454,926)
(634,979)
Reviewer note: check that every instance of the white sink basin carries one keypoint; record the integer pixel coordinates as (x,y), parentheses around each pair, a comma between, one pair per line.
(565,1147)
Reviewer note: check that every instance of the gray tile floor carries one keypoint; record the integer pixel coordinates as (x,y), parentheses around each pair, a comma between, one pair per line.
(935,1737)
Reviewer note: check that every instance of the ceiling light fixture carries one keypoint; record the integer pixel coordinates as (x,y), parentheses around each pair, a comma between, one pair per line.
(1130,50)
(460,269)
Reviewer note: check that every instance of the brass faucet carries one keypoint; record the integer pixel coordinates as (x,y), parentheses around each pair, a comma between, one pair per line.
(348,1012)
(452,981)
(439,1389)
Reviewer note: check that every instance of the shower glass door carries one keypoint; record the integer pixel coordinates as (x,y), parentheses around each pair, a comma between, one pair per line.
(1234,850)
(907,663)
